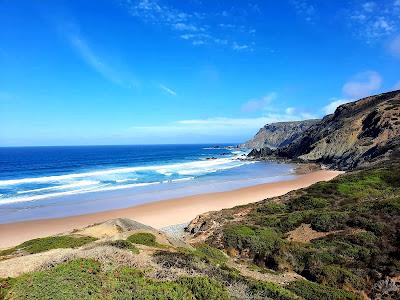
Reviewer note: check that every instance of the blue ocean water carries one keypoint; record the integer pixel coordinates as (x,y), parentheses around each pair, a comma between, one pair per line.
(38,182)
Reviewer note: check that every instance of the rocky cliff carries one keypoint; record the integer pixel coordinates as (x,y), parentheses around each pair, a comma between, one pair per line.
(278,134)
(357,134)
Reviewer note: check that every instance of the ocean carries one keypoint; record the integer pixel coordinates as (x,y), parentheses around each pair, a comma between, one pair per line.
(46,182)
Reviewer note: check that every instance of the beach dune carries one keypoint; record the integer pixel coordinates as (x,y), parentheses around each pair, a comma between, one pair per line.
(161,213)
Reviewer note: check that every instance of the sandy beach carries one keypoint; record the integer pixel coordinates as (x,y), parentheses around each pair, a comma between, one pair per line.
(161,213)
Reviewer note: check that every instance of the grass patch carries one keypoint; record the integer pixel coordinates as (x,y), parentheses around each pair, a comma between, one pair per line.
(144,238)
(313,291)
(48,243)
(210,254)
(204,288)
(78,279)
(259,241)
(269,290)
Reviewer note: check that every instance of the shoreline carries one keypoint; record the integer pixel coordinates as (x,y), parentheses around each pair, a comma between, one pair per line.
(162,213)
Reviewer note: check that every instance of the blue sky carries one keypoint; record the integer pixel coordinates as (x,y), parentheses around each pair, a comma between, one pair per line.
(196,71)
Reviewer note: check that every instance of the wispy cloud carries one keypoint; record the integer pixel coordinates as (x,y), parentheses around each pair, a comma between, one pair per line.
(259,104)
(215,128)
(93,60)
(89,55)
(167,90)
(397,85)
(241,47)
(362,84)
(373,20)
(331,107)
(305,9)
(212,128)
(196,27)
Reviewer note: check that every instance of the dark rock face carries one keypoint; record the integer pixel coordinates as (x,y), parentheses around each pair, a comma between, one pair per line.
(357,134)
(279,134)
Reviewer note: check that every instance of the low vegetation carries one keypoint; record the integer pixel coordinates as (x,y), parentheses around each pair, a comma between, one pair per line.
(144,238)
(48,243)
(123,244)
(360,212)
(87,279)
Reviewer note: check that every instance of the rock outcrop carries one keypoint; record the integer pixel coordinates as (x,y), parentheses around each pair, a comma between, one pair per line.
(357,134)
(278,134)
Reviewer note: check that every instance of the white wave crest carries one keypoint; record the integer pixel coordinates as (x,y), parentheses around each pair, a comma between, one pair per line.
(12,200)
(78,184)
(194,167)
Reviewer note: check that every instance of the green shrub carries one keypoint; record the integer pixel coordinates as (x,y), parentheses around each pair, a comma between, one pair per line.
(339,247)
(271,208)
(269,290)
(313,291)
(48,243)
(73,280)
(307,202)
(337,276)
(391,206)
(366,184)
(328,221)
(143,238)
(295,219)
(260,241)
(128,283)
(204,288)
(238,236)
(265,241)
(265,220)
(210,254)
(365,238)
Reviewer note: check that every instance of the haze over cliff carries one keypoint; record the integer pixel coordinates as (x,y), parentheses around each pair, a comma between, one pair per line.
(357,134)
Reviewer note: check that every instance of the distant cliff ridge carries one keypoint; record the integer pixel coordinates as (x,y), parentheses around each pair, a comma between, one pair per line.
(278,134)
(357,134)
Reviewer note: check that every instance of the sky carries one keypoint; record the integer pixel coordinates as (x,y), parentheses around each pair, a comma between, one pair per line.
(195,71)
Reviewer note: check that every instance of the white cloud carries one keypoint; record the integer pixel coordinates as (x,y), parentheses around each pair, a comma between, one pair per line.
(305,9)
(240,47)
(212,127)
(185,27)
(368,6)
(258,104)
(394,46)
(331,107)
(290,110)
(397,84)
(198,28)
(90,58)
(373,21)
(86,51)
(168,90)
(362,84)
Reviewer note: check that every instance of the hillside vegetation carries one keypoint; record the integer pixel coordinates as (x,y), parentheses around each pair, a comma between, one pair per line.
(355,220)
